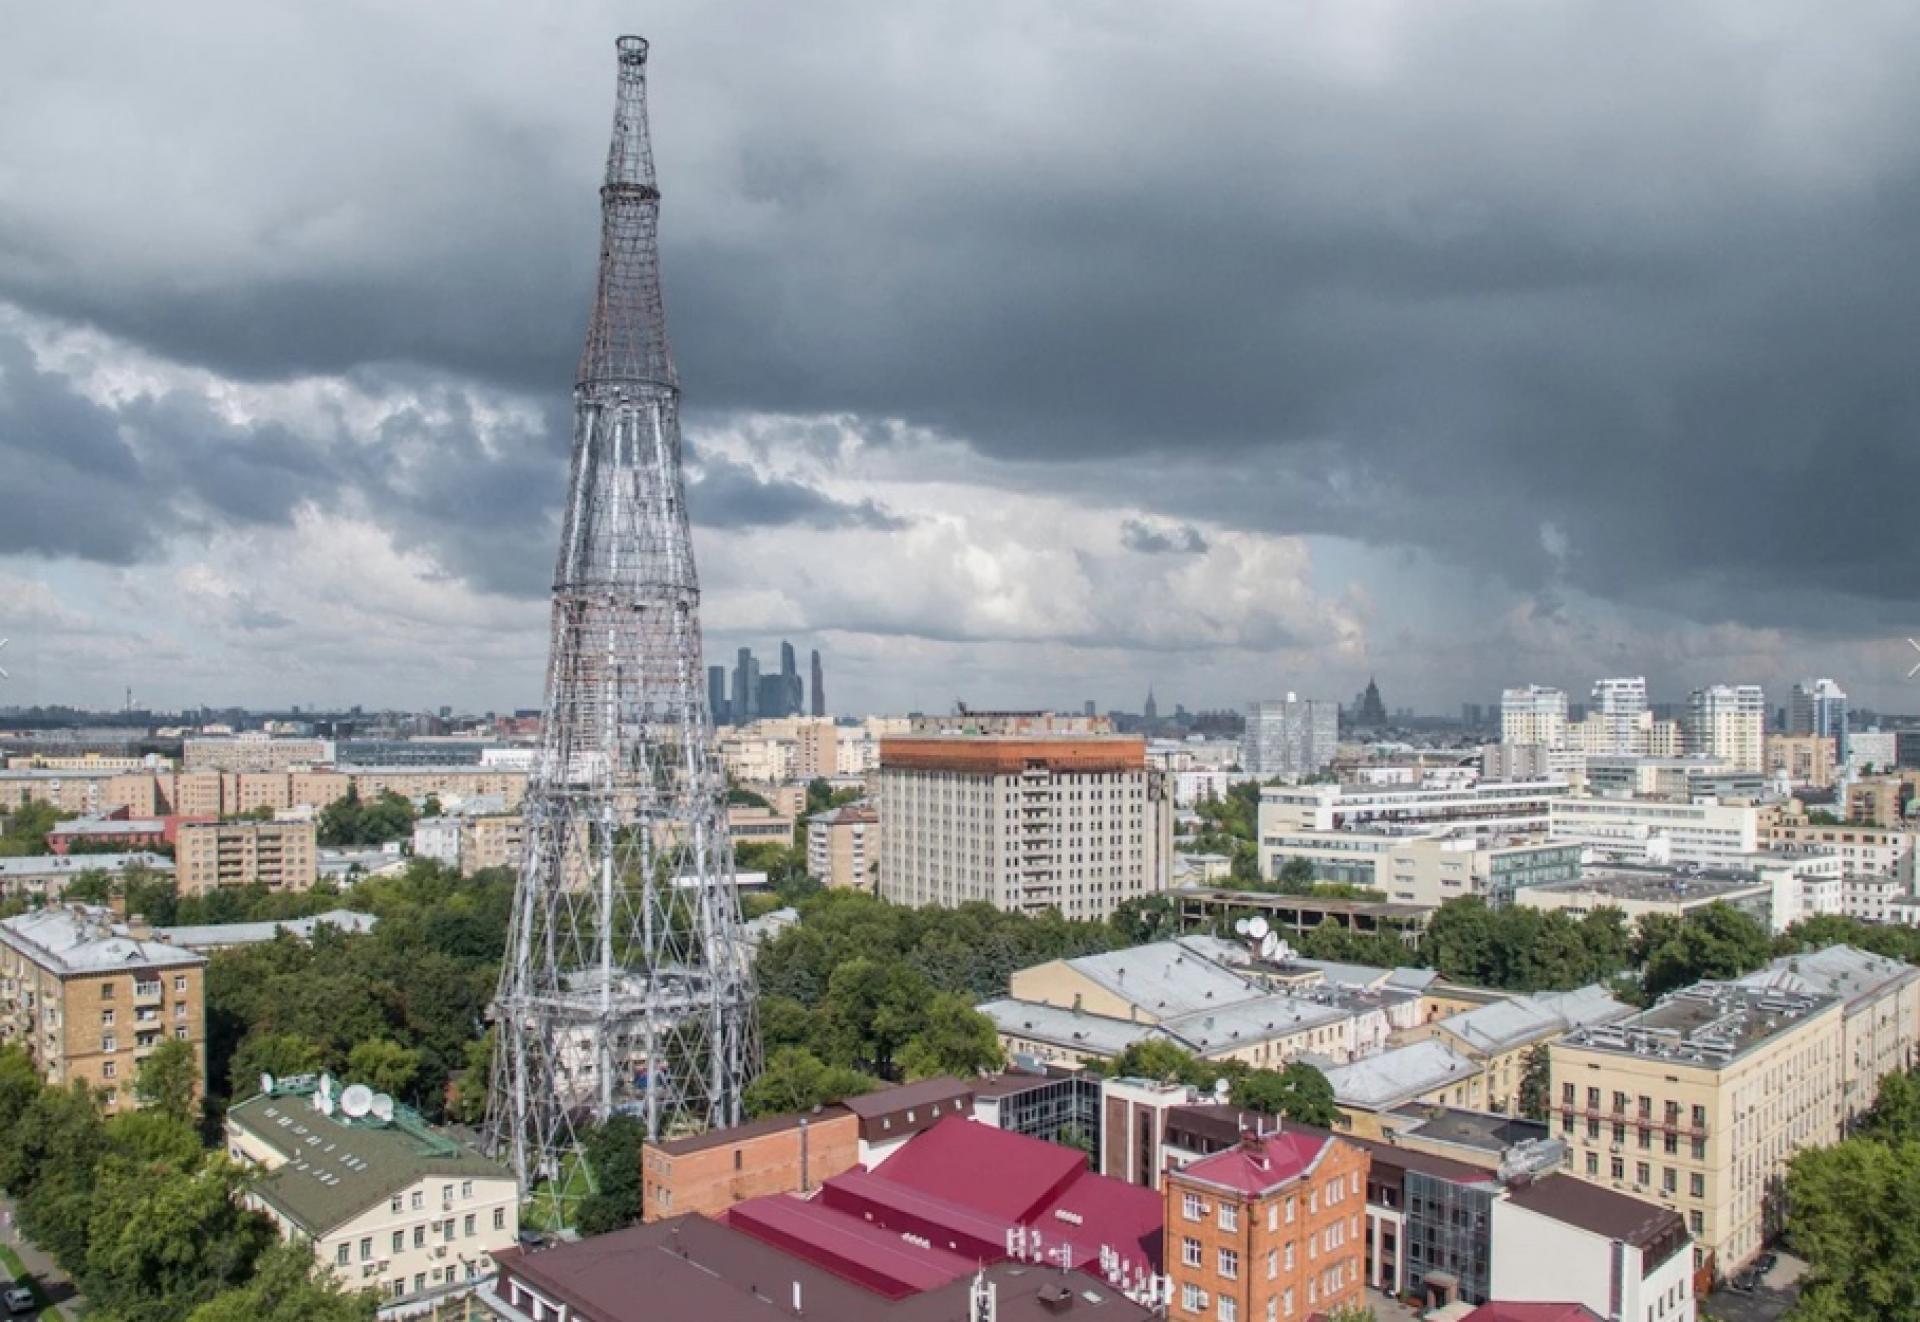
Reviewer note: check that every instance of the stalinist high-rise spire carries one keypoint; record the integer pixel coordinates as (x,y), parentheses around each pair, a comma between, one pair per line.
(627,987)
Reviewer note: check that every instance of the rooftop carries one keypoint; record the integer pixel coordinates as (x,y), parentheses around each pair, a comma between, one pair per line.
(83,938)
(47,865)
(752,1129)
(1503,1025)
(217,935)
(1709,1024)
(1842,971)
(1092,1034)
(338,1167)
(1399,1075)
(921,1092)
(1485,1131)
(1257,1165)
(1599,1210)
(1658,886)
(110,826)
(1166,978)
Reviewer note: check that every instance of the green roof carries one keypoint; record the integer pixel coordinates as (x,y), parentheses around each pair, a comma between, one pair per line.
(337,1168)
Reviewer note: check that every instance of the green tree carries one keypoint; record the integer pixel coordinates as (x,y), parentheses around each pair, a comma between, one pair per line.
(1298,1092)
(1142,919)
(385,1066)
(1353,1313)
(169,1080)
(164,1241)
(956,1039)
(872,1008)
(1895,1114)
(1536,1083)
(27,827)
(1855,1215)
(287,1286)
(47,1162)
(1296,874)
(1156,1058)
(19,1085)
(1718,941)
(797,1080)
(470,1085)
(784,1022)
(152,1138)
(279,1054)
(613,1155)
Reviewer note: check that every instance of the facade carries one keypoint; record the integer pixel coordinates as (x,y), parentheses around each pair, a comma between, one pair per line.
(1498,1037)
(1801,759)
(1291,737)
(254,752)
(1880,801)
(1272,1228)
(1700,1102)
(1534,715)
(1560,1239)
(1870,751)
(1684,779)
(1618,718)
(1060,1107)
(1493,807)
(843,847)
(387,1204)
(90,998)
(1650,831)
(1637,892)
(1728,722)
(711,1172)
(1075,823)
(1426,869)
(1819,707)
(1871,851)
(281,856)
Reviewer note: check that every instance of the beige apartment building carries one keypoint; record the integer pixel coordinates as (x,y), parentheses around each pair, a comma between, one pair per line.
(1024,823)
(91,998)
(387,1202)
(1872,851)
(843,846)
(1700,1102)
(1807,759)
(1880,800)
(491,841)
(253,752)
(210,856)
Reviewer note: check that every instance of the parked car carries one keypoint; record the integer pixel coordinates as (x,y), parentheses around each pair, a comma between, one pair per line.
(1764,1263)
(18,1300)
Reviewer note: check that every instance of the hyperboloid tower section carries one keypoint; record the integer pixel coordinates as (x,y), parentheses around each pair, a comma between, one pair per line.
(627,987)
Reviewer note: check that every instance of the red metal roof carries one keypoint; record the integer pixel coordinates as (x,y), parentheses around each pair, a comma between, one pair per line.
(883,1261)
(990,1170)
(1253,1169)
(1502,1312)
(897,1207)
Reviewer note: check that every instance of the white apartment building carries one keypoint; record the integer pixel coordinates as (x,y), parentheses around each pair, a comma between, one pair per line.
(1645,831)
(1024,823)
(1534,715)
(1426,869)
(1292,737)
(1869,751)
(1496,807)
(1728,722)
(1619,715)
(386,1202)
(1560,1238)
(1875,851)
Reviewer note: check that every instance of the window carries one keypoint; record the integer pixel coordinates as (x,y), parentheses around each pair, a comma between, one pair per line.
(179,1009)
(466,1188)
(419,1282)
(1229,1264)
(1593,1163)
(1190,1252)
(341,1255)
(447,1230)
(1190,1297)
(1229,1309)
(1273,1309)
(108,1069)
(499,1218)
(1190,1207)
(1642,1173)
(399,1241)
(181,1033)
(1566,1094)
(393,1203)
(736,1158)
(1289,1209)
(180,983)
(1694,1222)
(1617,1168)
(108,1042)
(106,991)
(1229,1216)
(1273,1264)
(1697,1185)
(446,1193)
(366,1249)
(1286,1301)
(1669,1180)
(1699,1149)
(106,1017)
(1699,1117)
(468,1228)
(1289,1252)
(419,1199)
(1273,1216)
(419,1237)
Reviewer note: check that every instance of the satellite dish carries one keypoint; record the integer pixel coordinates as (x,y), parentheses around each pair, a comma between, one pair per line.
(357,1100)
(1257,928)
(1283,951)
(1268,944)
(1240,925)
(266,1084)
(382,1107)
(1221,1087)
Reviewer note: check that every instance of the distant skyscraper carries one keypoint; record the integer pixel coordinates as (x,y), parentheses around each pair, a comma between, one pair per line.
(1819,706)
(717,693)
(1729,722)
(818,689)
(1152,712)
(1533,715)
(1621,707)
(745,684)
(1370,713)
(1088,708)
(1294,737)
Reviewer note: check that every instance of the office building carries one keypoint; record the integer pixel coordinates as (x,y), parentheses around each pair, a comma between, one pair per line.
(1425,869)
(1534,715)
(90,997)
(817,690)
(1646,831)
(210,856)
(746,687)
(1700,1102)
(385,1201)
(1075,823)
(1491,807)
(717,695)
(843,846)
(1819,707)
(1291,737)
(1727,722)
(1562,1239)
(1273,1227)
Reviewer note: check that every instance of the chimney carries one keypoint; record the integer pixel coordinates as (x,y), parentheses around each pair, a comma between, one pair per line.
(797,1311)
(139,928)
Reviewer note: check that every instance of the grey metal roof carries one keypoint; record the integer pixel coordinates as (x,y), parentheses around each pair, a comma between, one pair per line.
(82,938)
(1093,1034)
(53,865)
(1400,1075)
(1844,971)
(1166,978)
(1235,1027)
(217,935)
(1503,1025)
(108,826)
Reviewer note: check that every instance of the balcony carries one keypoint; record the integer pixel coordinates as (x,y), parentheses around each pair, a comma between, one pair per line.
(148,993)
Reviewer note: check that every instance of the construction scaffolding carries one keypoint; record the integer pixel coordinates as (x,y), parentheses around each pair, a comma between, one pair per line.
(627,987)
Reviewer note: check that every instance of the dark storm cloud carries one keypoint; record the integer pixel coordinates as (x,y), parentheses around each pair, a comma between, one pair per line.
(1423,275)
(724,494)
(1160,538)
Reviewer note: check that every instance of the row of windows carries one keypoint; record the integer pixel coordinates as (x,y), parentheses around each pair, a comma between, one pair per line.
(469,1226)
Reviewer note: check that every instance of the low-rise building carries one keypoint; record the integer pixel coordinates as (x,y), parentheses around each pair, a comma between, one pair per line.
(282,856)
(1701,1101)
(42,877)
(1426,1071)
(1864,850)
(386,1201)
(1273,1227)
(1425,868)
(1638,892)
(225,936)
(90,998)
(1705,834)
(1500,1036)
(1563,1240)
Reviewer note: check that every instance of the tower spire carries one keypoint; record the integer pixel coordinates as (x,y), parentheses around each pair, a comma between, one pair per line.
(626,988)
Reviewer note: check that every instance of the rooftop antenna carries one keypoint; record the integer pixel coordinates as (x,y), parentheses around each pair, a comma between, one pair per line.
(382,1108)
(266,1084)
(356,1101)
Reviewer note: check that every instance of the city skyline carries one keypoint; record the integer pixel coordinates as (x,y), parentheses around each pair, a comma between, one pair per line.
(1388,389)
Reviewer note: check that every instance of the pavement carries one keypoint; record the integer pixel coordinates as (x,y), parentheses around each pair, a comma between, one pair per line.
(1388,1309)
(1769,1301)
(55,1287)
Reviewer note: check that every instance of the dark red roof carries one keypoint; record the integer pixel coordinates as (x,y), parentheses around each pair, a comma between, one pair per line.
(848,1246)
(898,1208)
(991,1170)
(1256,1167)
(1499,1312)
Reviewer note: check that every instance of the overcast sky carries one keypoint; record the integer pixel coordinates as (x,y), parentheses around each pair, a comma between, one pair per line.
(1031,352)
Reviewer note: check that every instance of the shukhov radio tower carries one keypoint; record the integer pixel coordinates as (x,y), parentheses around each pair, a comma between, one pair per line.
(627,987)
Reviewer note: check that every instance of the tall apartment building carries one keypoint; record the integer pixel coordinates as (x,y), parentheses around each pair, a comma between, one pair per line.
(91,998)
(1729,722)
(1819,706)
(254,752)
(1619,713)
(210,856)
(1075,823)
(1271,1228)
(1292,737)
(843,846)
(1700,1102)
(1534,715)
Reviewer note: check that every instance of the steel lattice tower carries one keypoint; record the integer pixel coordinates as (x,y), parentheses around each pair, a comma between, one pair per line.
(627,987)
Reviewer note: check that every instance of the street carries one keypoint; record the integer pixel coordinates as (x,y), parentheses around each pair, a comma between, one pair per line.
(25,1264)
